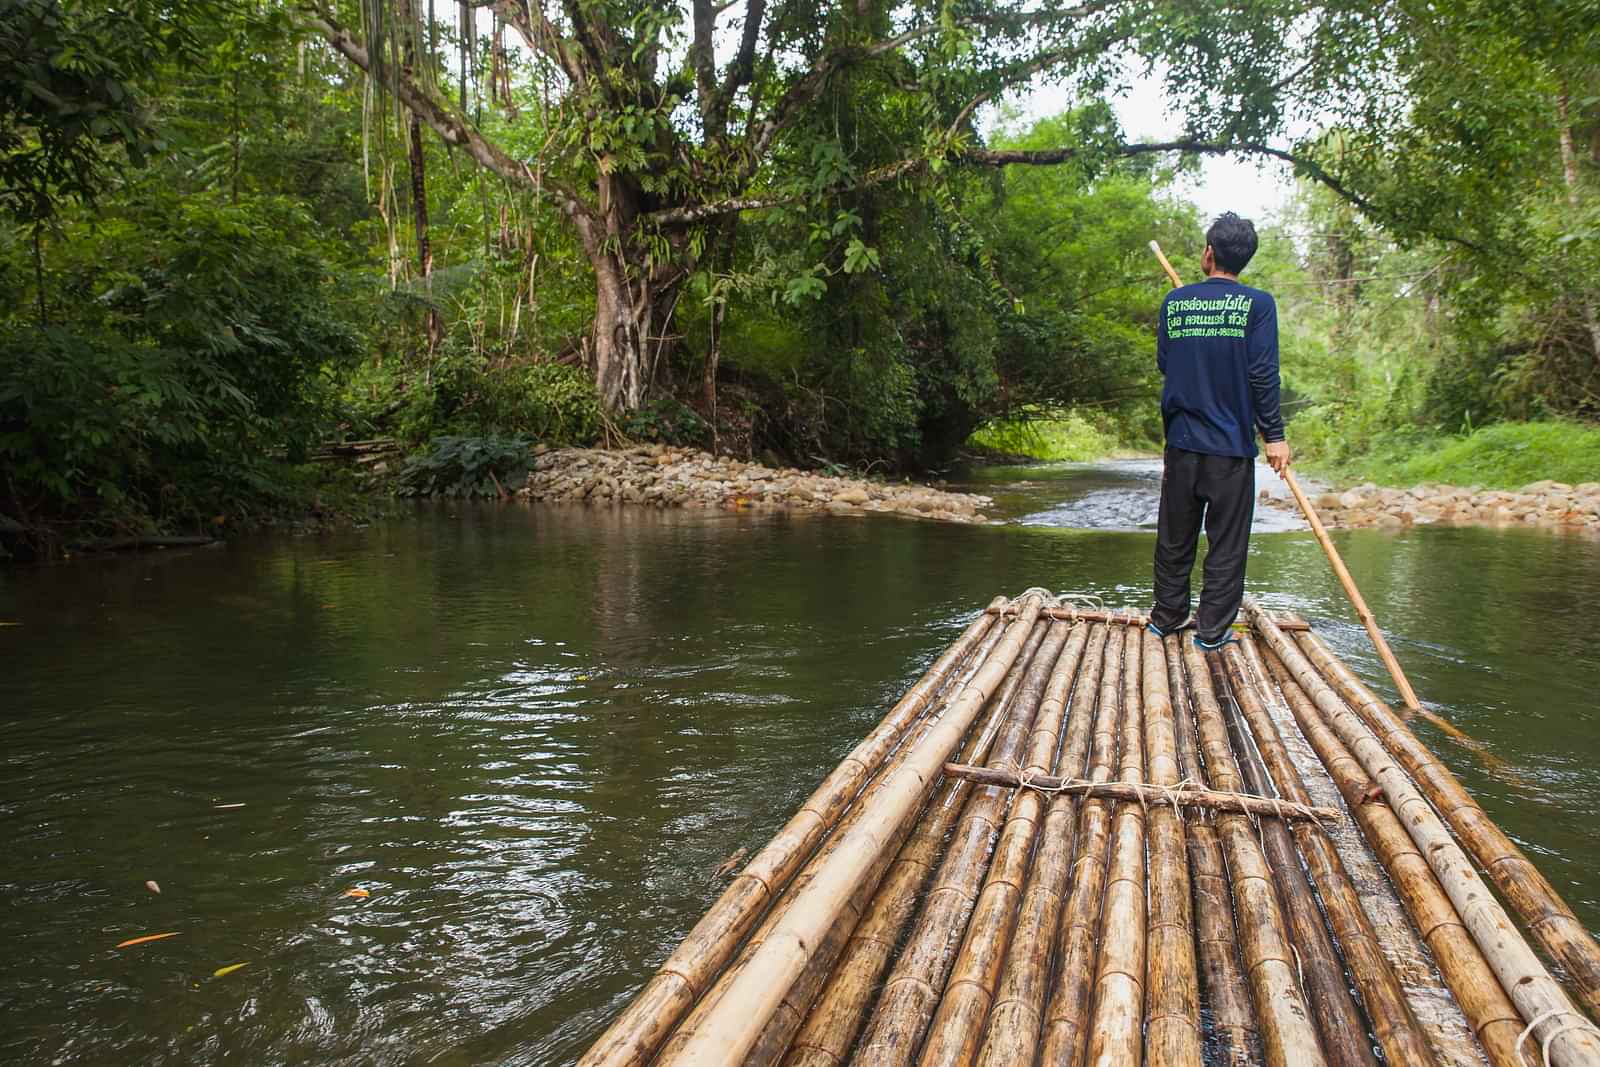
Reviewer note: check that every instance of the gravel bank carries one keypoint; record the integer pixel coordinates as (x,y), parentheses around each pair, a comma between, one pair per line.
(661,476)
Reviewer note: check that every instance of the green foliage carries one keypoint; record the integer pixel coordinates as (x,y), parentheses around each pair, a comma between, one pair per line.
(196,343)
(668,421)
(1503,456)
(1072,437)
(467,467)
(71,110)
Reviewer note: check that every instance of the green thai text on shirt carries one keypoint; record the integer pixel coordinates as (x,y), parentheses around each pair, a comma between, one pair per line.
(1193,316)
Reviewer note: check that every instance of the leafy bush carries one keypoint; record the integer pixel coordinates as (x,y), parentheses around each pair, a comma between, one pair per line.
(195,350)
(554,402)
(467,467)
(669,421)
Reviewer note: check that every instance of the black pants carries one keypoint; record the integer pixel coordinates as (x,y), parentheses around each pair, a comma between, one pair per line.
(1220,491)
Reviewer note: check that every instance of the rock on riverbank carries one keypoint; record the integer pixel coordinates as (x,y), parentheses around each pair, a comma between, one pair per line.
(1550,504)
(661,476)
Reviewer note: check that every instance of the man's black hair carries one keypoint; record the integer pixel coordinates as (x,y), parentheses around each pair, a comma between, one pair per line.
(1233,241)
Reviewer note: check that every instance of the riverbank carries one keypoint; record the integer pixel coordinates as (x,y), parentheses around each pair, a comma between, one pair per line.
(667,477)
(1545,503)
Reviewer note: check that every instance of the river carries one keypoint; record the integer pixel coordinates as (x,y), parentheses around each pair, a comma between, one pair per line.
(531,734)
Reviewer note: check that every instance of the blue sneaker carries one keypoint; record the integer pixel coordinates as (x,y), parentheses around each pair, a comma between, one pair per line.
(1214,646)
(1153,630)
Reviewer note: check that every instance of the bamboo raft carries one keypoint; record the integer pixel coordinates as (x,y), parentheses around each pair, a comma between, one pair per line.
(1072,842)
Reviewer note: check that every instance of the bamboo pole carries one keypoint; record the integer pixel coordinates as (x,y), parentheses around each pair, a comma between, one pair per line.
(1490,1013)
(1172,998)
(1358,602)
(1177,283)
(1116,1034)
(1540,1000)
(1065,1034)
(639,1030)
(829,1030)
(1185,797)
(1393,1023)
(1344,1030)
(968,994)
(912,993)
(775,1035)
(1288,1035)
(736,1023)
(1223,988)
(1012,1035)
(1526,890)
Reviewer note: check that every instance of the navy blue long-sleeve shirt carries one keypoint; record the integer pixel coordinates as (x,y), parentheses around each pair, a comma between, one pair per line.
(1217,347)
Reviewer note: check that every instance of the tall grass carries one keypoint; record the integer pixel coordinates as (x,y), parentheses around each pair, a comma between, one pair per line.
(1505,455)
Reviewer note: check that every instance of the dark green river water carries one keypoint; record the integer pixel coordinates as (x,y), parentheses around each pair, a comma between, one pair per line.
(533,733)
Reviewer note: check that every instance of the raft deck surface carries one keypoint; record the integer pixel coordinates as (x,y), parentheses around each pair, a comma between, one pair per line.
(1157,877)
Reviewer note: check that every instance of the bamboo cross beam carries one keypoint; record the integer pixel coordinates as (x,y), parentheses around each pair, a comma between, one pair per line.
(1287,623)
(1238,803)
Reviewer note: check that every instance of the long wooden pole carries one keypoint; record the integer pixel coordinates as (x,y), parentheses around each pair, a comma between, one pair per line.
(1407,694)
(1364,613)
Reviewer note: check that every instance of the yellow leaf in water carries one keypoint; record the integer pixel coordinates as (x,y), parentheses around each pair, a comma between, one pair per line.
(147,937)
(4,623)
(358,893)
(229,969)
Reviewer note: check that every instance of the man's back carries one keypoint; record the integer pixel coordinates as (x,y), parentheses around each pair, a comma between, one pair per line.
(1217,345)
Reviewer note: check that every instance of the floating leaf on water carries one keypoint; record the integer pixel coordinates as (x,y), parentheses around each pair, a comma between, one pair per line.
(152,885)
(225,807)
(147,937)
(229,969)
(362,893)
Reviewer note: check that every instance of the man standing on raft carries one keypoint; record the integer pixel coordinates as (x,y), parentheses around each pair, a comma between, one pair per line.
(1217,347)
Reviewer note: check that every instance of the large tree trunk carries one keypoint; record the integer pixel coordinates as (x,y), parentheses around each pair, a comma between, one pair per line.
(419,211)
(634,301)
(1569,171)
(419,181)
